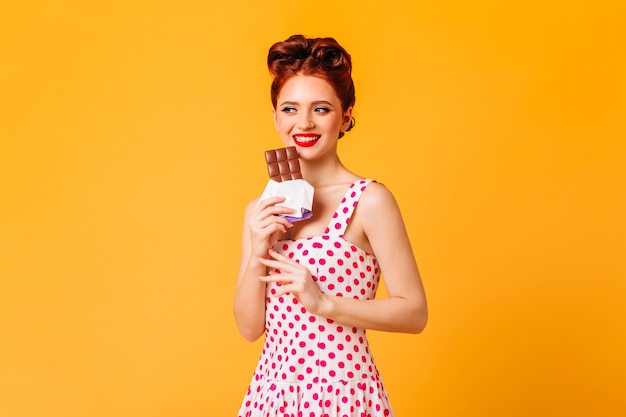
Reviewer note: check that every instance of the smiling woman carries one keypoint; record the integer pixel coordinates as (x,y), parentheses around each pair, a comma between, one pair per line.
(311,286)
(308,112)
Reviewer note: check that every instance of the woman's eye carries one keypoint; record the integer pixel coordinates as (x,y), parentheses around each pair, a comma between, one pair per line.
(322,109)
(288,109)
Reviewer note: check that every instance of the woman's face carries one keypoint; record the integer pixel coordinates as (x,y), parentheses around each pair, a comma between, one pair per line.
(308,115)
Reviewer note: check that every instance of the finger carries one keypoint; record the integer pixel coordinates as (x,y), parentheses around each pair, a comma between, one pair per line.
(273,220)
(276,264)
(274,278)
(284,264)
(272,229)
(270,201)
(286,286)
(276,211)
(282,258)
(282,291)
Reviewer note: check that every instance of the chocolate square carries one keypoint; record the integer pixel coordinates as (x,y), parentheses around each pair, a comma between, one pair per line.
(283,164)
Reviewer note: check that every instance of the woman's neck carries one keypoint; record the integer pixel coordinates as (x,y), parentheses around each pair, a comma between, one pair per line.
(319,173)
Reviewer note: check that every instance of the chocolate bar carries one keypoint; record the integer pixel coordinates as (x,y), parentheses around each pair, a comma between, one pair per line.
(283,164)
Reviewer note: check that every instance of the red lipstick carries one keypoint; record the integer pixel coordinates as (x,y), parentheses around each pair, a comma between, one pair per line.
(306,140)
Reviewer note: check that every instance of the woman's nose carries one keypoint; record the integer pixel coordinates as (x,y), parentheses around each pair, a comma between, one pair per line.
(305,121)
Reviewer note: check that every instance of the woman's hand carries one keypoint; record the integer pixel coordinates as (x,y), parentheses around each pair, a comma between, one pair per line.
(296,279)
(266,225)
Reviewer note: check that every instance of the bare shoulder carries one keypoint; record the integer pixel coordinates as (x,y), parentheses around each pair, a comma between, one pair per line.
(378,219)
(377,198)
(378,212)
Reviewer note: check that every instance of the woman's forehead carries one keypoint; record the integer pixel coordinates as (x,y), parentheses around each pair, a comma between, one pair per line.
(307,88)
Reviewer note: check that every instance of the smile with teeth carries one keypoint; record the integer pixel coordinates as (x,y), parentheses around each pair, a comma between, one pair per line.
(306,139)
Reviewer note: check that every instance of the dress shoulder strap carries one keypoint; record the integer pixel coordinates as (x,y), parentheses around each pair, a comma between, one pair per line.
(342,216)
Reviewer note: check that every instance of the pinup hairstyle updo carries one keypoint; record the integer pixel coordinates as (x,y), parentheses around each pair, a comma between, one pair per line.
(319,57)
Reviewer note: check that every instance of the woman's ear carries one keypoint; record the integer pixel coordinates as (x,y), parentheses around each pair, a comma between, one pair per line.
(274,117)
(347,118)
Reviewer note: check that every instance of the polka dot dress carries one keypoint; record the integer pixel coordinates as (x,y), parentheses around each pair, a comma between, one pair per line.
(311,366)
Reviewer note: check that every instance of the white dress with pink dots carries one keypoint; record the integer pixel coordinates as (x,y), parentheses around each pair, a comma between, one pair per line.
(311,366)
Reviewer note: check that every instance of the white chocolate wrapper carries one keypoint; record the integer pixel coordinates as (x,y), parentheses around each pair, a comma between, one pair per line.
(298,196)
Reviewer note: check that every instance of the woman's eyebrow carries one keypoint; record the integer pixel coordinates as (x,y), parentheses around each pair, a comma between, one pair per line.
(328,103)
(316,102)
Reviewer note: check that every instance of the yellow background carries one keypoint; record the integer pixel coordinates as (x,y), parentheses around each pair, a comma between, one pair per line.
(131,138)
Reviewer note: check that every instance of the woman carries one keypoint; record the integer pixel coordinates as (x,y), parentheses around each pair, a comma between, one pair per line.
(310,285)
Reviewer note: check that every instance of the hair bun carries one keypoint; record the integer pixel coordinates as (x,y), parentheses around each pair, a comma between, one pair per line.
(330,57)
(323,53)
(284,54)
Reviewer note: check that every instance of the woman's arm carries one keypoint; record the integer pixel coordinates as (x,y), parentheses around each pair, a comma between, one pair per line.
(260,230)
(404,310)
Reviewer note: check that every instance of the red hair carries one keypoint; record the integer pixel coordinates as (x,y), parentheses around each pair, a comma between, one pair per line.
(319,57)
